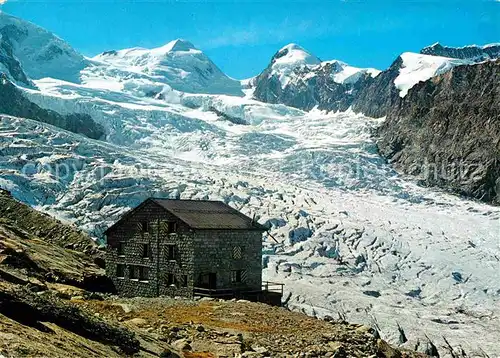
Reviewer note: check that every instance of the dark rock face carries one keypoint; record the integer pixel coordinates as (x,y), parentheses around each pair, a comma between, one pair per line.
(447,131)
(7,58)
(14,103)
(309,88)
(227,117)
(315,87)
(475,53)
(376,95)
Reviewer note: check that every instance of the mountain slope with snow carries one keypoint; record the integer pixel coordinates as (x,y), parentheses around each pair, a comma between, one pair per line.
(41,53)
(9,64)
(419,68)
(295,73)
(178,64)
(287,59)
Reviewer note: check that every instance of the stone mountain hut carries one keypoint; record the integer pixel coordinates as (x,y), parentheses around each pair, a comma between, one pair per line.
(186,248)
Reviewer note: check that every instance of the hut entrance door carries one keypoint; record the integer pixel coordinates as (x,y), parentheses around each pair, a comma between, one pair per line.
(208,280)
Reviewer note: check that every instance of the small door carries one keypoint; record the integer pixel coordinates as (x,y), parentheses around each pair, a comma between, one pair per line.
(213,281)
(208,280)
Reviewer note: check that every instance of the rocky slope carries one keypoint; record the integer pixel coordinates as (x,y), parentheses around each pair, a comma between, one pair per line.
(13,102)
(44,226)
(37,248)
(9,63)
(447,131)
(298,79)
(48,307)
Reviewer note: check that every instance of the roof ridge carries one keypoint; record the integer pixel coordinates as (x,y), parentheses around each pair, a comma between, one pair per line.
(200,200)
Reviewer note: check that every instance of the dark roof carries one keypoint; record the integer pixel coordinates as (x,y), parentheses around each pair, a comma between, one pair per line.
(201,214)
(204,214)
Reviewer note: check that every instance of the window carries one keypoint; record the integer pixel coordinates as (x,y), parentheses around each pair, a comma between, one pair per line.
(120,271)
(170,279)
(145,226)
(132,273)
(172,227)
(184,282)
(237,276)
(143,273)
(237,252)
(146,251)
(171,252)
(121,249)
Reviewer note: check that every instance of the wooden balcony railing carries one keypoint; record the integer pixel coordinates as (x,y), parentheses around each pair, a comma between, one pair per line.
(271,287)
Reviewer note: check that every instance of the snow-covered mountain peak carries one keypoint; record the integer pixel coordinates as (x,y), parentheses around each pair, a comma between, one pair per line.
(178,64)
(40,52)
(140,55)
(292,55)
(180,45)
(289,58)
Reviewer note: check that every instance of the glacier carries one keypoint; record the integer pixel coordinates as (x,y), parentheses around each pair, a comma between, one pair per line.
(342,222)
(347,234)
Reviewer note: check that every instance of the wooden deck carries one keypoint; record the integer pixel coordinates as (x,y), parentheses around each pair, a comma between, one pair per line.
(271,293)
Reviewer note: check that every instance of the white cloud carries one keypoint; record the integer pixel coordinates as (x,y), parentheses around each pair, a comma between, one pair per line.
(2,2)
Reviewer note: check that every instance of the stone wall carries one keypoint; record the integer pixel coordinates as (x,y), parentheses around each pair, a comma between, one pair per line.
(213,252)
(131,233)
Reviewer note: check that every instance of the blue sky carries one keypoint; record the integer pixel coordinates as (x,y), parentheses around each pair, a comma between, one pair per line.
(241,36)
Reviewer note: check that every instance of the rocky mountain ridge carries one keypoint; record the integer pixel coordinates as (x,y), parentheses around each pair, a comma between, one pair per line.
(345,227)
(389,94)
(447,131)
(472,52)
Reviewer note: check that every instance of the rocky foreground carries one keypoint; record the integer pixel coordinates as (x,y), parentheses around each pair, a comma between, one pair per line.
(55,301)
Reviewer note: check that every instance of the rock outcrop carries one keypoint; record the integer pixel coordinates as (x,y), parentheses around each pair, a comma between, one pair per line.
(376,95)
(9,64)
(14,103)
(304,82)
(446,131)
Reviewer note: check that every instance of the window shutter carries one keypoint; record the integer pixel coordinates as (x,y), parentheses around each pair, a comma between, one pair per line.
(237,253)
(164,227)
